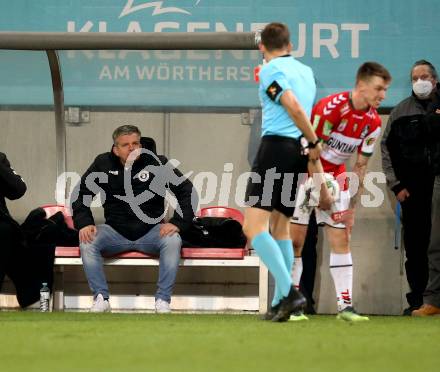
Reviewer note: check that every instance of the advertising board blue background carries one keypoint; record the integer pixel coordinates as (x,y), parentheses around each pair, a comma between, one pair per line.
(333,37)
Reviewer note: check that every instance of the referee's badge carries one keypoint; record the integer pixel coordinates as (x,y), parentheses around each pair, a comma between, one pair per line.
(273,90)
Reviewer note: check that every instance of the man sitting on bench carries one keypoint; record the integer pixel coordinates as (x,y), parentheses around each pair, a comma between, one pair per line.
(132,181)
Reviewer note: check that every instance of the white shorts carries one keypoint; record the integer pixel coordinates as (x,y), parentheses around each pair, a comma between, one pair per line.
(303,209)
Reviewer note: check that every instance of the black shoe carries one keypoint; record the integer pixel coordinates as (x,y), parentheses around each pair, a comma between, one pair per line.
(309,309)
(271,313)
(294,301)
(409,310)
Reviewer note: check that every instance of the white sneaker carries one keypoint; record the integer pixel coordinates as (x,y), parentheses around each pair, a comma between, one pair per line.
(162,307)
(100,305)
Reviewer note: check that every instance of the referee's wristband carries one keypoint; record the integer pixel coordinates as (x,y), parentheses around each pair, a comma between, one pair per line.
(312,145)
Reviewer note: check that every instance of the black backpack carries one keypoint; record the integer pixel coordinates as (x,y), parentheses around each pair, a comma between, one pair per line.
(214,232)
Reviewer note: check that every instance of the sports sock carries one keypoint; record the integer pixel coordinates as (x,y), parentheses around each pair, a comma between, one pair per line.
(341,269)
(286,248)
(297,270)
(270,253)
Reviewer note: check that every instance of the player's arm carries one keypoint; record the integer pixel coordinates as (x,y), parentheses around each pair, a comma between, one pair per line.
(299,116)
(322,122)
(364,153)
(360,169)
(347,217)
(325,199)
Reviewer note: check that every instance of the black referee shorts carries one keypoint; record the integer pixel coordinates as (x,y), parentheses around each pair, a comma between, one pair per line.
(275,171)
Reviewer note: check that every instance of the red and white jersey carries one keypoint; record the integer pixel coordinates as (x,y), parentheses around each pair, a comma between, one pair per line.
(344,130)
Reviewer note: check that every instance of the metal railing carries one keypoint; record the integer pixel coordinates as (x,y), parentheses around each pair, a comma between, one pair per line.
(129,41)
(51,42)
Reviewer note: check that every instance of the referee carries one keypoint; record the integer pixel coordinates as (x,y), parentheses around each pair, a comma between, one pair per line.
(287,92)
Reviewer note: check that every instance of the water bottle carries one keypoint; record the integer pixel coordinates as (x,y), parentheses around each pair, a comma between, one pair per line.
(44,298)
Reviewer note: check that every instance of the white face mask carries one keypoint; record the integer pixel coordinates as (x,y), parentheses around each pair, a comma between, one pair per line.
(422,88)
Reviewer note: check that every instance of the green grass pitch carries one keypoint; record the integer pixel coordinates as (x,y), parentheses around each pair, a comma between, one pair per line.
(180,342)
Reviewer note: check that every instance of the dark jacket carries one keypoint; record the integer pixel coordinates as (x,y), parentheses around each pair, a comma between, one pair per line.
(32,263)
(150,175)
(433,125)
(409,153)
(28,253)
(410,144)
(12,186)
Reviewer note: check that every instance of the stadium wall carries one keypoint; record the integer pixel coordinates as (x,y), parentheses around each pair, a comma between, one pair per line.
(201,142)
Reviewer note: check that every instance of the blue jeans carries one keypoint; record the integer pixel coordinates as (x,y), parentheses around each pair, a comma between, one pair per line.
(108,242)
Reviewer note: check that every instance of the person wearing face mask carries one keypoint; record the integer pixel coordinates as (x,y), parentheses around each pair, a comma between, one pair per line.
(408,166)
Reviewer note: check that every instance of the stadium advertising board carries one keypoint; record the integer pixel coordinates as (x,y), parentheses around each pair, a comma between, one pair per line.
(334,38)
